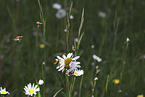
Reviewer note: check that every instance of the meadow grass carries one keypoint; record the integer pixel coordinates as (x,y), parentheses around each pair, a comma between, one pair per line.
(22,62)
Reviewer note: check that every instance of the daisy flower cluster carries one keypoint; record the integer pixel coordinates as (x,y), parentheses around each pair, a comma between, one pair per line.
(69,65)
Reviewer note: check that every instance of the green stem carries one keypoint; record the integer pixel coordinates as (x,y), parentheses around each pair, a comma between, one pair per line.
(71,88)
(80,86)
(44,37)
(123,61)
(67,86)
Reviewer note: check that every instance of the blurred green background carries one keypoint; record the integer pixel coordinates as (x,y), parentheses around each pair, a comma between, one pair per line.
(21,62)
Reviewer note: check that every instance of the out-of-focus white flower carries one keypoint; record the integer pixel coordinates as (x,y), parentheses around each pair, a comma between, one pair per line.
(65,30)
(71,17)
(3,91)
(43,63)
(93,63)
(96,78)
(102,14)
(76,39)
(120,91)
(97,58)
(92,46)
(97,67)
(56,6)
(78,72)
(40,82)
(60,13)
(127,39)
(30,90)
(144,56)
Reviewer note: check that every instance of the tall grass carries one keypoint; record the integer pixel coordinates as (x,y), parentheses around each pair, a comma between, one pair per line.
(21,62)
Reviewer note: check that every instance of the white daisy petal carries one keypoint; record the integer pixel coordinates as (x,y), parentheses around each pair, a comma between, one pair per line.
(59,58)
(64,56)
(77,63)
(69,55)
(75,58)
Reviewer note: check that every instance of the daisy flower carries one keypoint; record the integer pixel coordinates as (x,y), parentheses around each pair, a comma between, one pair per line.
(78,72)
(30,90)
(60,13)
(3,91)
(67,63)
(97,58)
(56,6)
(116,81)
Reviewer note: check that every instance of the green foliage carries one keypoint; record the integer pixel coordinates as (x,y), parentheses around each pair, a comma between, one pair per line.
(21,62)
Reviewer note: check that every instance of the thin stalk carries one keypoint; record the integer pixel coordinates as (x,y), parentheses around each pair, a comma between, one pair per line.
(79,32)
(71,87)
(115,24)
(44,37)
(67,86)
(80,86)
(106,86)
(68,27)
(57,92)
(124,56)
(82,20)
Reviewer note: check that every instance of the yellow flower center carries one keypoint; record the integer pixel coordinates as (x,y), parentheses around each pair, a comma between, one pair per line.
(31,91)
(3,92)
(75,73)
(67,61)
(96,58)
